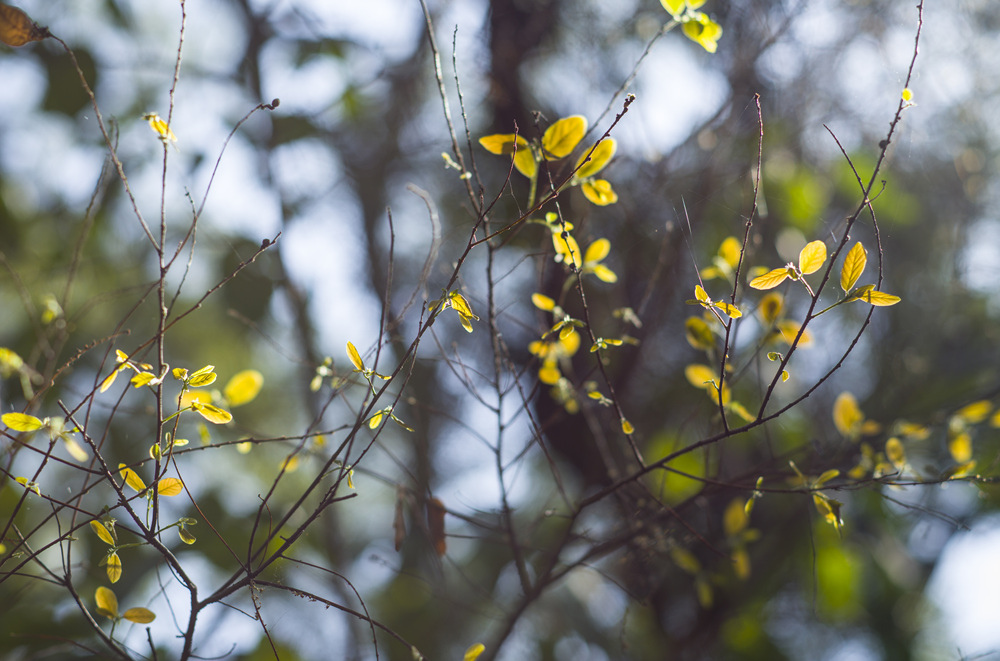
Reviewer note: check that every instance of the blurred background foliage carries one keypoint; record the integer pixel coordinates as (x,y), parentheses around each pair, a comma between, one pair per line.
(359,122)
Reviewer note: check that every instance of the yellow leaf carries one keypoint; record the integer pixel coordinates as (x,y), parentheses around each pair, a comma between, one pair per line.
(673,6)
(704,31)
(975,412)
(186,536)
(190,397)
(770,307)
(102,532)
(598,159)
(847,417)
(139,615)
(160,127)
(960,448)
(142,378)
(603,273)
(741,563)
(563,136)
(907,94)
(131,478)
(375,420)
(854,266)
(599,192)
(75,449)
(543,302)
(811,257)
(627,427)
(771,279)
(169,486)
(698,334)
(212,413)
(355,357)
(109,379)
(22,421)
(729,309)
(685,560)
(567,249)
(549,373)
(700,376)
(505,143)
(114,567)
(203,377)
(473,652)
(894,452)
(243,387)
(878,298)
(735,519)
(107,602)
(597,251)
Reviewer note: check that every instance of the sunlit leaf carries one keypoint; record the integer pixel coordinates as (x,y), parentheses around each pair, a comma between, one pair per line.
(975,412)
(131,478)
(186,536)
(960,447)
(203,377)
(563,136)
(771,279)
(894,452)
(524,159)
(703,31)
(22,422)
(700,376)
(567,249)
(473,652)
(542,302)
(847,416)
(243,387)
(877,298)
(729,309)
(160,127)
(770,307)
(698,334)
(376,420)
(597,251)
(75,449)
(107,602)
(102,532)
(114,567)
(854,266)
(139,615)
(169,486)
(673,6)
(212,413)
(599,192)
(598,159)
(812,257)
(627,427)
(355,357)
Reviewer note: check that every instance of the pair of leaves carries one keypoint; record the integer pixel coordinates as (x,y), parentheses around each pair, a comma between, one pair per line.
(107,605)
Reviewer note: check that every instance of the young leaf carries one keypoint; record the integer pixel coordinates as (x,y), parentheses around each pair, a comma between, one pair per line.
(243,387)
(114,567)
(543,302)
(811,257)
(771,279)
(75,449)
(139,615)
(212,413)
(847,417)
(22,421)
(355,357)
(960,448)
(602,154)
(186,536)
(599,192)
(103,532)
(563,136)
(131,478)
(107,602)
(506,143)
(854,266)
(203,377)
(473,652)
(169,486)
(878,298)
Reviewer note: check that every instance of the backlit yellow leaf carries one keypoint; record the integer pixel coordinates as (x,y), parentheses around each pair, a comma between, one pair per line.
(542,302)
(212,413)
(771,279)
(675,7)
(854,266)
(627,427)
(563,136)
(473,652)
(114,567)
(597,250)
(700,376)
(355,357)
(186,536)
(975,412)
(598,159)
(770,307)
(131,478)
(169,486)
(894,453)
(878,298)
(102,532)
(599,192)
(960,447)
(21,421)
(811,257)
(160,127)
(75,449)
(139,615)
(847,417)
(243,387)
(203,377)
(729,309)
(107,602)
(698,334)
